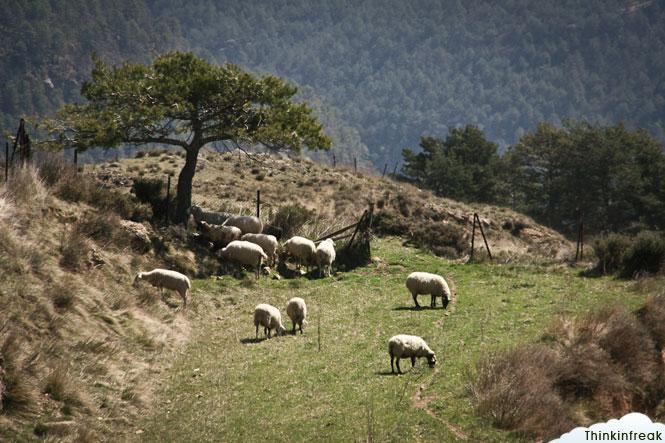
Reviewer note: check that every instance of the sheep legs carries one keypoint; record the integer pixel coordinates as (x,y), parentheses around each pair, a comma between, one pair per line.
(415,299)
(433,302)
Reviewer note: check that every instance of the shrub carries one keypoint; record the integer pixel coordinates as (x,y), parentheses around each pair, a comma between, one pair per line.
(289,220)
(610,250)
(644,255)
(62,295)
(606,363)
(101,226)
(152,192)
(19,396)
(443,239)
(73,250)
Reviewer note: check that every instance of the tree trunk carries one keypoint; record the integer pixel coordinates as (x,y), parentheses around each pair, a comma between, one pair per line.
(184,189)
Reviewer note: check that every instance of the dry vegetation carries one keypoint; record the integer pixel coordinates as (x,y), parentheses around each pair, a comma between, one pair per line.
(74,338)
(602,365)
(337,197)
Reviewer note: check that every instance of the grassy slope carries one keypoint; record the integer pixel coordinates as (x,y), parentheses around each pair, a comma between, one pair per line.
(338,196)
(225,387)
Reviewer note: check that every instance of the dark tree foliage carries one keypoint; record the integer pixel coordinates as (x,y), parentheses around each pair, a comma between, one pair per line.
(385,72)
(612,177)
(464,166)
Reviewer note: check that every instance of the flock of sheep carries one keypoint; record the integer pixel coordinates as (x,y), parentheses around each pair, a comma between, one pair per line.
(245,244)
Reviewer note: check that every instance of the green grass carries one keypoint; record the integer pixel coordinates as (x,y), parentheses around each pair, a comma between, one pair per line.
(225,387)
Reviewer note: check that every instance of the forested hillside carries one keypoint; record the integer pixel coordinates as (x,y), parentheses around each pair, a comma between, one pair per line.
(382,73)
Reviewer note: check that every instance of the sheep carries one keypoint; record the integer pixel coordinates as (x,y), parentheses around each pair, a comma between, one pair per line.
(246,223)
(296,309)
(245,253)
(164,278)
(214,218)
(411,346)
(267,242)
(426,283)
(220,233)
(302,249)
(325,256)
(270,318)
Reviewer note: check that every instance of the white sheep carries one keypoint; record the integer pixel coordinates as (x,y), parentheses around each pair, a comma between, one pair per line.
(426,283)
(302,249)
(166,279)
(270,318)
(246,223)
(267,242)
(409,346)
(245,253)
(220,233)
(212,217)
(325,256)
(296,309)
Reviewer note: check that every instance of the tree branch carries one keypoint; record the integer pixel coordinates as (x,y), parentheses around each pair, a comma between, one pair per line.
(163,140)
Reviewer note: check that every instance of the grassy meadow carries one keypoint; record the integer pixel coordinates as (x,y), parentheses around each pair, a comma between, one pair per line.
(225,386)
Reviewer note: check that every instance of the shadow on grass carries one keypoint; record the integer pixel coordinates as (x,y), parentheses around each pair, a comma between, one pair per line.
(386,373)
(249,341)
(414,308)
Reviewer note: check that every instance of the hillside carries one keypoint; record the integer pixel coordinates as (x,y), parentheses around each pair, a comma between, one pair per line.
(338,196)
(380,74)
(78,345)
(85,356)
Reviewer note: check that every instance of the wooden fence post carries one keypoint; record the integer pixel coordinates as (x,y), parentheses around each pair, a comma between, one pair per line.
(473,237)
(334,160)
(6,161)
(581,239)
(76,158)
(395,170)
(482,231)
(258,203)
(355,165)
(384,170)
(168,199)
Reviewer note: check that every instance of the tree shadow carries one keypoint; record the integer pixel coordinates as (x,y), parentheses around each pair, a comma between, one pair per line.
(385,373)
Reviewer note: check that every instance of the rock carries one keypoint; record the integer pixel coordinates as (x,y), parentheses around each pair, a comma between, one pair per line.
(139,234)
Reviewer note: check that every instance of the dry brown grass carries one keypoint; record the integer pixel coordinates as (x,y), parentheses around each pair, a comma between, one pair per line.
(337,197)
(67,307)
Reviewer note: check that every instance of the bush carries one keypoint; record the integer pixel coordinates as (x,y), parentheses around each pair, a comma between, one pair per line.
(514,390)
(644,255)
(153,192)
(75,187)
(610,250)
(63,295)
(604,364)
(443,239)
(73,250)
(289,220)
(19,396)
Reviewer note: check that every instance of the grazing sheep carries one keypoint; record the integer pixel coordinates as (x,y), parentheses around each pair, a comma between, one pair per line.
(212,217)
(166,279)
(220,233)
(409,346)
(302,249)
(270,318)
(325,256)
(245,253)
(296,309)
(246,223)
(426,283)
(267,242)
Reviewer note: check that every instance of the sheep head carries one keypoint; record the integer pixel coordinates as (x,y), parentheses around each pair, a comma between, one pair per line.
(138,277)
(431,360)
